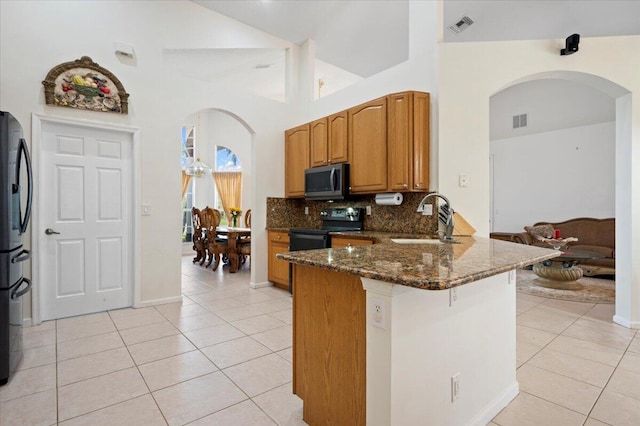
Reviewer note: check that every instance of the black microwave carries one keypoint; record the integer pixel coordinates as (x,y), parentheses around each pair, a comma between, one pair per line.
(327,182)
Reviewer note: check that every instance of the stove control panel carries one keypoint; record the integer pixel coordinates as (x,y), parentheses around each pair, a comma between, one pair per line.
(353,214)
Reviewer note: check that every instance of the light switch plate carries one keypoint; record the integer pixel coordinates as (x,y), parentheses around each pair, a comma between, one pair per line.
(146,210)
(463,181)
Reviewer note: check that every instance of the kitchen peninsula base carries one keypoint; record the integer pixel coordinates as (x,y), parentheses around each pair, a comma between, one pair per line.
(349,370)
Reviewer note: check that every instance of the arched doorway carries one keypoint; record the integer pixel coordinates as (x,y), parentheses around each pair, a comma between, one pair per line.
(217,138)
(623,178)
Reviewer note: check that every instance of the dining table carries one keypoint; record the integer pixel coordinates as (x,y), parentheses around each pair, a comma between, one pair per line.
(234,235)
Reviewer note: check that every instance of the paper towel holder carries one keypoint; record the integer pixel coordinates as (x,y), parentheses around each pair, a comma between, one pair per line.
(389,199)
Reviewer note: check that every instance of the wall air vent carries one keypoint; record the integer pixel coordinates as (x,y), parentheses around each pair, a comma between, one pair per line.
(461,25)
(519,121)
(262,66)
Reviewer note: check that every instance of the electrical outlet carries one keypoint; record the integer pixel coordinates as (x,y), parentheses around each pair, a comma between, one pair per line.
(428,210)
(368,210)
(463,181)
(455,386)
(512,276)
(453,296)
(306,210)
(378,312)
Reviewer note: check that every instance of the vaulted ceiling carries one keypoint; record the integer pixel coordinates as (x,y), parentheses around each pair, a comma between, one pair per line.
(365,37)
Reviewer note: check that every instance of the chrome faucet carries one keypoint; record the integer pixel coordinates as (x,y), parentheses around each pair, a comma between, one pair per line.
(448,214)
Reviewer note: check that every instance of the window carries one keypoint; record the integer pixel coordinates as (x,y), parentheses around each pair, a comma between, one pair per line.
(188,139)
(226,160)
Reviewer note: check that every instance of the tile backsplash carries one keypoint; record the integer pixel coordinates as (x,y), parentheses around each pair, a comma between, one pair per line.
(289,213)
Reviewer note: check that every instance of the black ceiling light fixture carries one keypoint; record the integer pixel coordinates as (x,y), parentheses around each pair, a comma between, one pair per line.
(571,45)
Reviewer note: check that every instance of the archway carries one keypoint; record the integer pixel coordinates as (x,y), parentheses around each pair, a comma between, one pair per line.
(623,178)
(217,131)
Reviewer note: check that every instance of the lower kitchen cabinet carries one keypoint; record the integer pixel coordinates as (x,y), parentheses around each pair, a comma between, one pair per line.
(278,270)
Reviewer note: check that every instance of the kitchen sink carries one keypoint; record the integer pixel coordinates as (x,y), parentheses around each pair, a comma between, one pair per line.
(422,241)
(417,241)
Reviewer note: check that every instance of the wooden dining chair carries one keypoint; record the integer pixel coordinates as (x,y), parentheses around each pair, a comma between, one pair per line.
(216,248)
(198,237)
(247,219)
(244,245)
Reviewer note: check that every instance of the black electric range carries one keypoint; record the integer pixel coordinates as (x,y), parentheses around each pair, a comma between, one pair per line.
(334,219)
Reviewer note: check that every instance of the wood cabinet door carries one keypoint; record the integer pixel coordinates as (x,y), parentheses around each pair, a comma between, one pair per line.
(330,346)
(367,130)
(278,270)
(338,138)
(400,143)
(296,160)
(318,142)
(337,242)
(421,140)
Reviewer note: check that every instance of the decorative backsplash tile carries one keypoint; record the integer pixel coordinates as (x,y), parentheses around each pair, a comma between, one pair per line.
(289,213)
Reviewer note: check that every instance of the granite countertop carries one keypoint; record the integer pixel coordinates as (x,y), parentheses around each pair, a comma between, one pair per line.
(425,266)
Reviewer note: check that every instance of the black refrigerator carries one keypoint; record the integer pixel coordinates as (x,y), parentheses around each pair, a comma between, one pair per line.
(16,192)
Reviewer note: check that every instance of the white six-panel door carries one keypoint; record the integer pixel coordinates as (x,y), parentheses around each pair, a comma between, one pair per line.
(85,236)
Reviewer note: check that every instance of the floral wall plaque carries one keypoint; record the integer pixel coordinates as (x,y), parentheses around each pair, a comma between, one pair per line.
(83,84)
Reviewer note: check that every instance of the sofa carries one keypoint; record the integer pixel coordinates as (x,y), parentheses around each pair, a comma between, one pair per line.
(595,235)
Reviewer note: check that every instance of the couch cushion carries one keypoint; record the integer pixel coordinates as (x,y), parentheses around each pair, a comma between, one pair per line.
(545,231)
(606,251)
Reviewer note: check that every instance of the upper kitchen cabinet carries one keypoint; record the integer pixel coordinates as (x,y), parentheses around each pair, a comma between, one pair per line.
(296,160)
(328,140)
(367,130)
(338,151)
(408,141)
(319,142)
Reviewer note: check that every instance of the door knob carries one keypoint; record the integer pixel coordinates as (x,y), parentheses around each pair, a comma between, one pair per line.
(50,231)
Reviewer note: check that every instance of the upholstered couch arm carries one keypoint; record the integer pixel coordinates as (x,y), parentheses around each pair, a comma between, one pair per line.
(522,238)
(514,237)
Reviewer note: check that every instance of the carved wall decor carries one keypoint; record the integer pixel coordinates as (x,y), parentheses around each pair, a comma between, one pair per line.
(83,84)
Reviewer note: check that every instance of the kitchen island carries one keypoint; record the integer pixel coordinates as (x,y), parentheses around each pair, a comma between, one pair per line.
(373,345)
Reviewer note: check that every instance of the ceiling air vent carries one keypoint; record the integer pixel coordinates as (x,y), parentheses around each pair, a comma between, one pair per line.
(519,121)
(461,25)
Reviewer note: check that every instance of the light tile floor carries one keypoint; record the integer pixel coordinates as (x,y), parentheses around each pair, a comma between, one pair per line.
(223,357)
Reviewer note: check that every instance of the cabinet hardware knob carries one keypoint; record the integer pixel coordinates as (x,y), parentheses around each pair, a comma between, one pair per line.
(417,185)
(348,244)
(404,185)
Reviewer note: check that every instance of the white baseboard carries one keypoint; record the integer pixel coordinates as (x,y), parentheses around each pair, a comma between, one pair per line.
(154,302)
(260,285)
(625,322)
(495,406)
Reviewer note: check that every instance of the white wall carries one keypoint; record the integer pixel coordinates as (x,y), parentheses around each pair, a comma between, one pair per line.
(606,63)
(553,176)
(218,128)
(426,341)
(550,104)
(35,36)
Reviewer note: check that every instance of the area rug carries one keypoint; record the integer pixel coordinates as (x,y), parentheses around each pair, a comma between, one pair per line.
(596,290)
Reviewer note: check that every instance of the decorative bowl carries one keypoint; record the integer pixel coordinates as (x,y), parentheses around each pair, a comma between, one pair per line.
(558,243)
